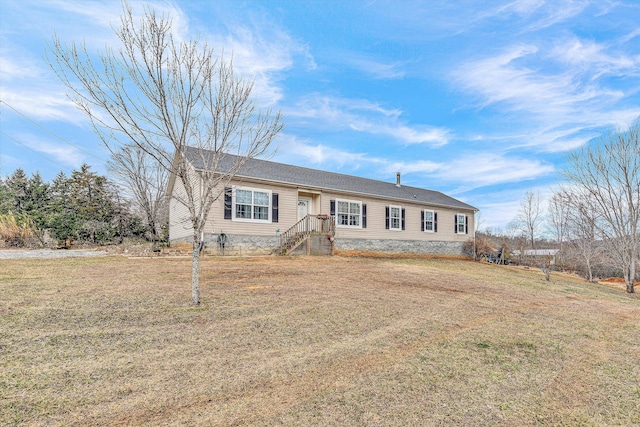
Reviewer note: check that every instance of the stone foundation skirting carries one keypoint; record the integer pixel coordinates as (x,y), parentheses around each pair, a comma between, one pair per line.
(401,246)
(239,245)
(236,245)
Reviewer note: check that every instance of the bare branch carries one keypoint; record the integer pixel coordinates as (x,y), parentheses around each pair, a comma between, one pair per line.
(162,97)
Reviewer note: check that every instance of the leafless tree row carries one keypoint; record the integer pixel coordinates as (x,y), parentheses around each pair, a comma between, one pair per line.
(594,215)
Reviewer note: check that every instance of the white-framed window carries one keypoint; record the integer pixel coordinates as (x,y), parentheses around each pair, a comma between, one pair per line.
(429,221)
(461,224)
(251,204)
(348,213)
(395,218)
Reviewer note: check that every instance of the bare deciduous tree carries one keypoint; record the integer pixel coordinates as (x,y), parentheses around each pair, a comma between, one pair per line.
(163,96)
(558,219)
(146,181)
(581,226)
(609,174)
(529,217)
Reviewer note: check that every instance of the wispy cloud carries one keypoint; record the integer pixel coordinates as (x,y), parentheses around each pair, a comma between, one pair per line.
(262,52)
(295,151)
(64,154)
(479,169)
(376,68)
(593,59)
(37,103)
(471,170)
(13,68)
(499,208)
(556,12)
(421,167)
(366,117)
(504,78)
(561,99)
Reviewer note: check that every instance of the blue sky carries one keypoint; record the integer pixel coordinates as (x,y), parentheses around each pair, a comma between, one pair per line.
(481,100)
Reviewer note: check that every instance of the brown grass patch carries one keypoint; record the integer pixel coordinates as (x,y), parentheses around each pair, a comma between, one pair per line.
(312,341)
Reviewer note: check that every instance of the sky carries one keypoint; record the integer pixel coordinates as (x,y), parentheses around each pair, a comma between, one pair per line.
(481,100)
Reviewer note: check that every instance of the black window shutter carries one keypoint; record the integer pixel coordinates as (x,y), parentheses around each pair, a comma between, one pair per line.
(332,207)
(455,219)
(403,218)
(421,220)
(364,216)
(466,224)
(386,210)
(227,202)
(435,222)
(274,207)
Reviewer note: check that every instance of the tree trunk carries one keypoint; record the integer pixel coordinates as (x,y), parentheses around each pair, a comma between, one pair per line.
(629,276)
(195,272)
(589,271)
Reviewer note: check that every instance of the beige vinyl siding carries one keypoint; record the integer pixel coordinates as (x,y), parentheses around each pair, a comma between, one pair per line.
(287,213)
(376,221)
(180,224)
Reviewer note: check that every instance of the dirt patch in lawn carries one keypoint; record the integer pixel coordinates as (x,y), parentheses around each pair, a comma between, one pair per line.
(616,280)
(312,341)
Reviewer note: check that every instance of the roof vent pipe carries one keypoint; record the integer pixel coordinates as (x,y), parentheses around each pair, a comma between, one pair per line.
(397,179)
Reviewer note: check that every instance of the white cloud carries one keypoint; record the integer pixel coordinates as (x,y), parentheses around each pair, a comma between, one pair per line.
(423,167)
(499,208)
(479,169)
(561,100)
(633,34)
(65,154)
(503,78)
(294,151)
(262,52)
(592,58)
(376,68)
(557,12)
(497,215)
(366,117)
(43,105)
(13,68)
(470,170)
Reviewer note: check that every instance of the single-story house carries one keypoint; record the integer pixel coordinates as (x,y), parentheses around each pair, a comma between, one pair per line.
(265,200)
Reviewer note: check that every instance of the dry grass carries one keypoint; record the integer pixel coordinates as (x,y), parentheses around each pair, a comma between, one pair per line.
(312,341)
(16,230)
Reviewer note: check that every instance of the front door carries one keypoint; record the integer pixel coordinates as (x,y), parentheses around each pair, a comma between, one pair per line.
(304,207)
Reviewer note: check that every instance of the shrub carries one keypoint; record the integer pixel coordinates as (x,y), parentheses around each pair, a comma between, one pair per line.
(16,230)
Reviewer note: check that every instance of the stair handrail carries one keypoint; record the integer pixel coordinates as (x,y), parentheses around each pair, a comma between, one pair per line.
(304,227)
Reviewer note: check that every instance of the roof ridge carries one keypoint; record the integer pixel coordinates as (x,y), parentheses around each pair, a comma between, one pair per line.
(285,173)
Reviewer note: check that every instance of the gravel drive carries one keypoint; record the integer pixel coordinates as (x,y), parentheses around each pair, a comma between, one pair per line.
(48,253)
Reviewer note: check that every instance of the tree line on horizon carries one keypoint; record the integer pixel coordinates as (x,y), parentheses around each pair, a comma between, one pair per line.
(84,207)
(593,216)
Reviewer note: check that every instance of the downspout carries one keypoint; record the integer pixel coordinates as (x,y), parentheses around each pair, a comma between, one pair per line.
(475,255)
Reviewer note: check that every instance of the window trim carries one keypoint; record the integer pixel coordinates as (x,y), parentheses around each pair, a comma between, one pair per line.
(253,190)
(399,218)
(433,220)
(360,215)
(462,224)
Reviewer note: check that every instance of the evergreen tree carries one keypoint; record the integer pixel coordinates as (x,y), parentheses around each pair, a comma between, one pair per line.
(37,200)
(62,219)
(17,184)
(85,206)
(6,200)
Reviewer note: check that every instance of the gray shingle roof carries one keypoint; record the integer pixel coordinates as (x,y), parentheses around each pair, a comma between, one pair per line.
(322,180)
